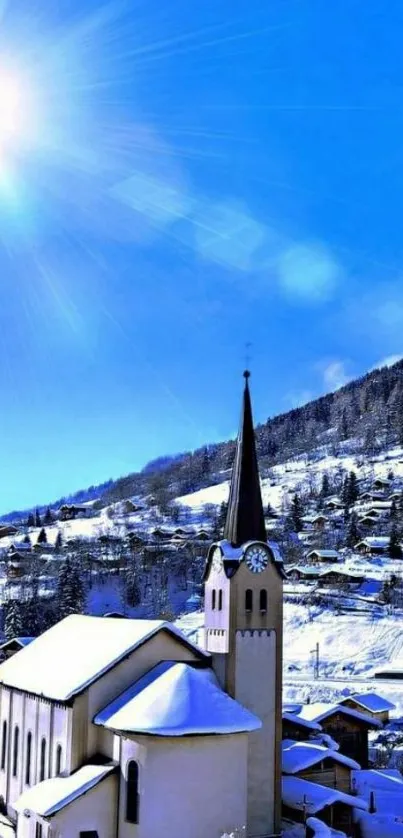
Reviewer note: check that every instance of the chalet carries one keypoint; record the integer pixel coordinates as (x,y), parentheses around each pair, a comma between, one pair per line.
(296,728)
(381,483)
(340,575)
(367,521)
(297,573)
(334,503)
(318,764)
(203,535)
(322,556)
(319,522)
(336,808)
(70,511)
(7,530)
(370,703)
(347,726)
(129,506)
(10,647)
(160,534)
(373,546)
(369,497)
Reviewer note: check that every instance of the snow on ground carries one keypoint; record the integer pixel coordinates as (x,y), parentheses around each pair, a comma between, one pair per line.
(351,647)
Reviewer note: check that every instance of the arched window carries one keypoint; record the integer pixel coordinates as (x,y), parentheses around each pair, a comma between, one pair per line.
(15,750)
(220,600)
(28,759)
(132,792)
(43,758)
(248,600)
(213,598)
(58,760)
(4,746)
(263,600)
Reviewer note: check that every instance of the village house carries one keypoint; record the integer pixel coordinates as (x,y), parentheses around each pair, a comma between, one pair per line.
(302,798)
(322,556)
(10,647)
(370,703)
(373,546)
(318,764)
(298,729)
(348,727)
(70,511)
(8,529)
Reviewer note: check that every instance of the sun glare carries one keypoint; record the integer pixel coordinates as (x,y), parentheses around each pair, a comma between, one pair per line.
(11,107)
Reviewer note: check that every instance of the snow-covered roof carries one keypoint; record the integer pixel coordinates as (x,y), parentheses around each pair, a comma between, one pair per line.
(176,699)
(21,641)
(298,793)
(7,828)
(380,826)
(371,701)
(319,828)
(51,795)
(318,711)
(324,554)
(297,756)
(389,780)
(378,541)
(298,720)
(68,657)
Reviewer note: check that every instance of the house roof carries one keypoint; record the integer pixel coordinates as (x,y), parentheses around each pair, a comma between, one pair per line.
(298,720)
(318,711)
(325,554)
(68,657)
(245,518)
(371,701)
(298,793)
(381,542)
(48,797)
(19,641)
(175,699)
(297,756)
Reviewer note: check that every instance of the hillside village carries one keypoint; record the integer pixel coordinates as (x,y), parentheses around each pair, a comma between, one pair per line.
(336,519)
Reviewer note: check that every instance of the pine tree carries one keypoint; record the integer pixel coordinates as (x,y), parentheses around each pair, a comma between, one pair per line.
(395,550)
(296,513)
(26,539)
(48,519)
(325,488)
(59,540)
(353,491)
(132,589)
(30,520)
(353,535)
(42,537)
(70,595)
(344,427)
(38,522)
(13,621)
(393,511)
(222,516)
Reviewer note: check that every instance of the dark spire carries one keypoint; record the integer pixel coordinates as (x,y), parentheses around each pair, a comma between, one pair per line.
(245,519)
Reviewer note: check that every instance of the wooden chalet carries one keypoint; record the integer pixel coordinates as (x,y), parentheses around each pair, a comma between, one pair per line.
(373,546)
(338,575)
(348,727)
(8,529)
(10,647)
(298,729)
(322,556)
(70,511)
(318,764)
(302,798)
(372,704)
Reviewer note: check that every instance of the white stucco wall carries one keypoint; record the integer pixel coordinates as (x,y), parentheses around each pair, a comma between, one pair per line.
(255,688)
(94,810)
(44,720)
(190,787)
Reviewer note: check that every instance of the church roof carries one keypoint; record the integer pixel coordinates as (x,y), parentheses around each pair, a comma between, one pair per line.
(49,796)
(68,657)
(176,699)
(245,518)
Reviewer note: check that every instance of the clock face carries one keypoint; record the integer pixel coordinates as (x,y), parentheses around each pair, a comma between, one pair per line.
(256,558)
(217,559)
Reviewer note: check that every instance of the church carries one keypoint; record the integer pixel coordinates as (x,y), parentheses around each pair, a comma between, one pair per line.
(125,729)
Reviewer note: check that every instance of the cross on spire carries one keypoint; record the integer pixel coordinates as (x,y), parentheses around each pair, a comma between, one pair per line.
(245,518)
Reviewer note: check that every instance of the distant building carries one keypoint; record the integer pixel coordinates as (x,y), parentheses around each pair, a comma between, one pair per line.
(372,703)
(323,556)
(10,647)
(373,546)
(70,511)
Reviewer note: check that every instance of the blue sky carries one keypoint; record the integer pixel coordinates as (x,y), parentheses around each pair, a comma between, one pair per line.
(185,178)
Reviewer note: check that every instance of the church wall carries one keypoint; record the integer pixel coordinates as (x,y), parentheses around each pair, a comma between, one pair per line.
(255,688)
(95,810)
(162,646)
(200,783)
(42,719)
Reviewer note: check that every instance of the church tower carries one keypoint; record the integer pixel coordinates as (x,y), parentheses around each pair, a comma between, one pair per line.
(244,625)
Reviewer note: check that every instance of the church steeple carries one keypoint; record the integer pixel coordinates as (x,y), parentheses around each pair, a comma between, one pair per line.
(245,518)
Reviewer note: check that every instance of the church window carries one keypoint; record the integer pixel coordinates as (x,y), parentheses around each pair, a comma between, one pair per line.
(248,600)
(43,758)
(58,760)
(263,600)
(220,600)
(38,830)
(4,746)
(132,792)
(15,750)
(213,598)
(28,759)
